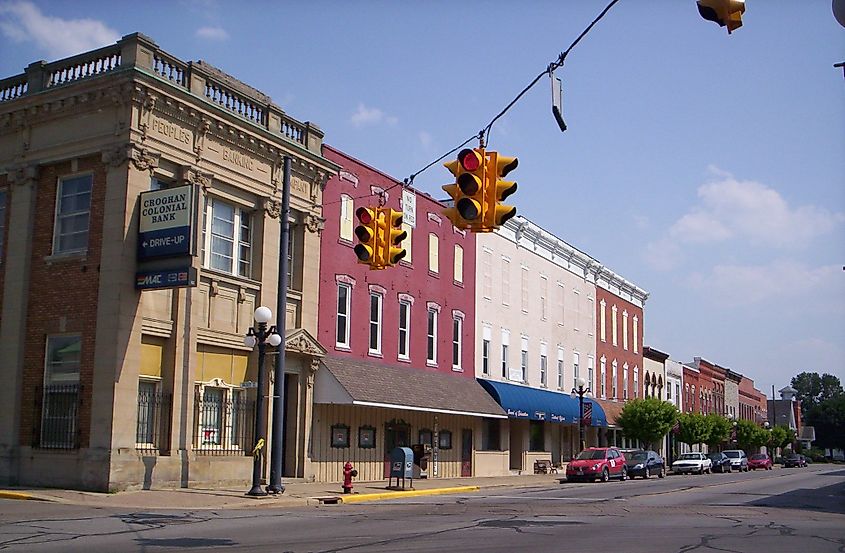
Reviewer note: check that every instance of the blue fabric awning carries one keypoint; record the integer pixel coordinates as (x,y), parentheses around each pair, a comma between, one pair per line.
(522,402)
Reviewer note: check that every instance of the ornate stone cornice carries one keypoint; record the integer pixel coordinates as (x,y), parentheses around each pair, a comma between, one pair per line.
(145,159)
(191,175)
(23,175)
(314,223)
(272,208)
(300,341)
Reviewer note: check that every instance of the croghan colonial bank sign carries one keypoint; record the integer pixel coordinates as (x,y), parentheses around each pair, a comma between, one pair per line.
(165,226)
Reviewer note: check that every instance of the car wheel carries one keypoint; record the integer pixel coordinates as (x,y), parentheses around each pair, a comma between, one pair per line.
(730,469)
(605,475)
(624,473)
(700,470)
(662,473)
(646,473)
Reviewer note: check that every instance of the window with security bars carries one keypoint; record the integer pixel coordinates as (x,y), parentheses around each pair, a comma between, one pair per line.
(58,400)
(223,421)
(151,435)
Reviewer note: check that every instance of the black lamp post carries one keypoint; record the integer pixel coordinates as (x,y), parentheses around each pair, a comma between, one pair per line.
(580,390)
(261,336)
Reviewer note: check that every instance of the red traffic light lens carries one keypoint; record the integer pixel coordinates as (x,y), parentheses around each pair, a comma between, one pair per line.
(469,160)
(364,215)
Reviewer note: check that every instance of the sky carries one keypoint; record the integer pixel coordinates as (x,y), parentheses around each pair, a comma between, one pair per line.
(706,168)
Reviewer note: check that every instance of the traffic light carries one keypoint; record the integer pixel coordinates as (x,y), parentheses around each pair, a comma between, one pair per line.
(727,13)
(367,232)
(496,190)
(468,190)
(393,251)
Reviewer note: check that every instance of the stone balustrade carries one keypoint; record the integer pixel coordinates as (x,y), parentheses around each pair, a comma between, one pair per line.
(201,79)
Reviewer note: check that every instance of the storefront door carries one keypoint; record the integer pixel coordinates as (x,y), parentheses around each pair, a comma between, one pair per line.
(466,452)
(397,433)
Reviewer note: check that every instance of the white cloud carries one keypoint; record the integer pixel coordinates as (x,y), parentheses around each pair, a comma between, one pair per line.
(212,33)
(370,116)
(425,139)
(746,213)
(780,280)
(55,37)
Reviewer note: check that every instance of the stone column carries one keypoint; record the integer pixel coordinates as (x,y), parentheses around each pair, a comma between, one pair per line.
(21,198)
(114,400)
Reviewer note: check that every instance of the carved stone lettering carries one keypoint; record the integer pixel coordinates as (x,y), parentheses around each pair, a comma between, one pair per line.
(238,159)
(168,129)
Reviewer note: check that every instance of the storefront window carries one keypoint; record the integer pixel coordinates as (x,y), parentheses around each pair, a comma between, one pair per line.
(340,435)
(366,437)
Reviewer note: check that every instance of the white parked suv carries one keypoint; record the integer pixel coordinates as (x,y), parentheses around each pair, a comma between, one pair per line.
(739,461)
(697,463)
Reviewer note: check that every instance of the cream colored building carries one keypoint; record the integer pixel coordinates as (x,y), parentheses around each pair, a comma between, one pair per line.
(535,329)
(108,387)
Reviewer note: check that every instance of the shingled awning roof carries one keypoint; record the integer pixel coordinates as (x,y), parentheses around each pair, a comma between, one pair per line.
(612,409)
(358,382)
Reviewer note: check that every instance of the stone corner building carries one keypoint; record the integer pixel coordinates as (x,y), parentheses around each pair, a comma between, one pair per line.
(106,387)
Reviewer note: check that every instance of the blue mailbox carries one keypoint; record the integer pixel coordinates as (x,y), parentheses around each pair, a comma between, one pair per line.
(401,465)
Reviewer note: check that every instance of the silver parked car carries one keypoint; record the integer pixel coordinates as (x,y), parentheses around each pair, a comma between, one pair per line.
(739,461)
(692,462)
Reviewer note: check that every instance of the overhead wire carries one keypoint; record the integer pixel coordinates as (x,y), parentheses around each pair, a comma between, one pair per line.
(485,132)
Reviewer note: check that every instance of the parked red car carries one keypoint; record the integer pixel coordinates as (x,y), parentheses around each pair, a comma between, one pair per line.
(597,463)
(760,461)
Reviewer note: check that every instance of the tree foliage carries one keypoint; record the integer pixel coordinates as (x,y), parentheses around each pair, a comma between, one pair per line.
(829,421)
(719,429)
(749,436)
(647,420)
(781,436)
(694,429)
(813,390)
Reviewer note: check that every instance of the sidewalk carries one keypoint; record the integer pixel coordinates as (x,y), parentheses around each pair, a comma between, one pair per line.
(297,494)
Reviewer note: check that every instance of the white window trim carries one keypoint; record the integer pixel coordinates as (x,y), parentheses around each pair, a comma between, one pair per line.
(625,329)
(433,253)
(603,321)
(459,321)
(458,264)
(378,323)
(344,344)
(239,213)
(403,301)
(347,208)
(431,336)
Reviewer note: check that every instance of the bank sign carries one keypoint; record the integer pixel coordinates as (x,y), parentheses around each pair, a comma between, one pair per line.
(170,278)
(165,225)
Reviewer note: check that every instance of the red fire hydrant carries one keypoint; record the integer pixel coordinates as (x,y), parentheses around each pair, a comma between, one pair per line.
(348,474)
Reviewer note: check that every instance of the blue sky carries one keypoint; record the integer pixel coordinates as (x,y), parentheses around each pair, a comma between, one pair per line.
(705,168)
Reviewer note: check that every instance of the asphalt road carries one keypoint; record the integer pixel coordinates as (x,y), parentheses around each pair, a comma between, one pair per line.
(794,510)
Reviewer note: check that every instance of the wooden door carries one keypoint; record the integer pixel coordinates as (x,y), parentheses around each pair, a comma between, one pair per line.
(466,452)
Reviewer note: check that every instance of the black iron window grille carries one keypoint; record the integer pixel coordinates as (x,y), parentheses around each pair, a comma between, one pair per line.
(152,433)
(224,419)
(56,416)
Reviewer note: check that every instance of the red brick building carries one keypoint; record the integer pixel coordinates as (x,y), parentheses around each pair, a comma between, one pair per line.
(406,331)
(711,387)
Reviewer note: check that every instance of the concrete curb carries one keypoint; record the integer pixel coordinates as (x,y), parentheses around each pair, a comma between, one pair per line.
(408,493)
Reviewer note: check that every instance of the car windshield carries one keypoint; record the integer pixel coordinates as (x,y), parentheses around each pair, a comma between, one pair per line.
(588,454)
(715,456)
(638,456)
(732,454)
(791,456)
(689,457)
(759,457)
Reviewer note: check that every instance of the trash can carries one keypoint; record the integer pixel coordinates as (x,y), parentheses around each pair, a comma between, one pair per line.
(422,456)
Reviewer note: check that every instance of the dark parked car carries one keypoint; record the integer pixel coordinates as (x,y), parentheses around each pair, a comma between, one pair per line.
(642,462)
(721,462)
(794,460)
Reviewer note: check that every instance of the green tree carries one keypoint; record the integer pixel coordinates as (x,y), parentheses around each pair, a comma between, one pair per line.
(813,390)
(828,418)
(781,436)
(719,429)
(694,430)
(749,436)
(647,420)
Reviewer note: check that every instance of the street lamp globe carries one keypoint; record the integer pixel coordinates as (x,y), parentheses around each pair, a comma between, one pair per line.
(263,315)
(250,341)
(580,383)
(274,340)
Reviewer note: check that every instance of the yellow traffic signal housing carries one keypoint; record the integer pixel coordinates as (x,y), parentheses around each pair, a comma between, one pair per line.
(467,192)
(394,234)
(497,190)
(367,232)
(727,13)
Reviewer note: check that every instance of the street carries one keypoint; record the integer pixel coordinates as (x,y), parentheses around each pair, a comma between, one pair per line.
(772,511)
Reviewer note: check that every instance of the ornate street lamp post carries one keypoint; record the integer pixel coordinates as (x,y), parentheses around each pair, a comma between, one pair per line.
(580,390)
(262,337)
